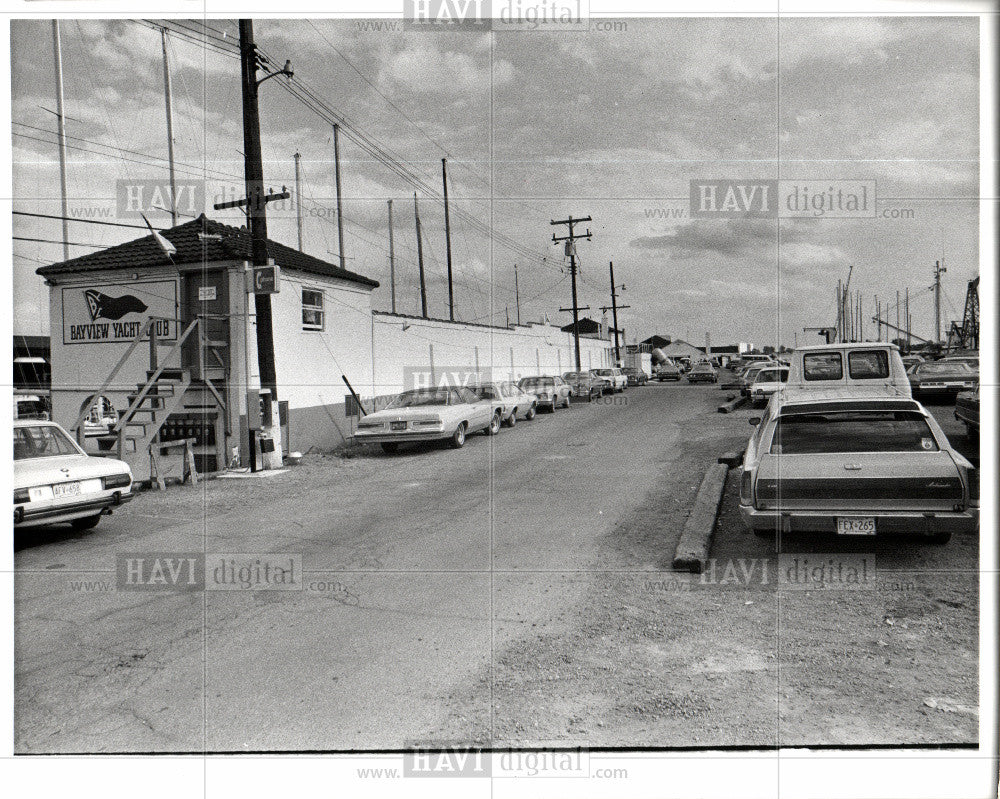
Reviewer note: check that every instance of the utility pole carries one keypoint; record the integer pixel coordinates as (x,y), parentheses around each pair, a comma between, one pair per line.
(392,262)
(939,269)
(168,92)
(840,313)
(447,239)
(897,313)
(614,309)
(906,313)
(61,134)
(571,251)
(257,204)
(420,258)
(340,199)
(517,296)
(861,320)
(298,201)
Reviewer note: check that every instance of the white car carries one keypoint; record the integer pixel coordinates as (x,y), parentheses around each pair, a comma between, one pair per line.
(508,399)
(429,414)
(617,378)
(766,382)
(56,481)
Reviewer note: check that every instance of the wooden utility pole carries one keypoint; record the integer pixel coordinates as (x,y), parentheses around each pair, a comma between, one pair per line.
(256,206)
(571,251)
(898,329)
(392,263)
(939,269)
(61,135)
(614,309)
(298,200)
(517,296)
(340,199)
(447,239)
(420,257)
(907,315)
(167,93)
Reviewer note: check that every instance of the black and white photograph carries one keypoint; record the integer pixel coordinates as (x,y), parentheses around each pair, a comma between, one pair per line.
(550,399)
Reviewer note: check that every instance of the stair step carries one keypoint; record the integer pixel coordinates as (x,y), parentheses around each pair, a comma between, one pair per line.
(170,374)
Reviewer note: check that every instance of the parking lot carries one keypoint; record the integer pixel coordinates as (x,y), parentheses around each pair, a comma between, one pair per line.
(518,590)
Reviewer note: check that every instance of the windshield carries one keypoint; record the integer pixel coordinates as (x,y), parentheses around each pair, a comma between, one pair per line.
(852,431)
(538,382)
(41,442)
(575,375)
(603,372)
(486,392)
(418,397)
(941,368)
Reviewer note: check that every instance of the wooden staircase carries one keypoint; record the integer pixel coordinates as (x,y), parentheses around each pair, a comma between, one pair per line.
(174,404)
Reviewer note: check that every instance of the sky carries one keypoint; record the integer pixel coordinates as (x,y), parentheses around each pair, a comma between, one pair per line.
(611,124)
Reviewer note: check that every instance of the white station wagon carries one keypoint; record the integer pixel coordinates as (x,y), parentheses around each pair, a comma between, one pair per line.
(836,462)
(56,481)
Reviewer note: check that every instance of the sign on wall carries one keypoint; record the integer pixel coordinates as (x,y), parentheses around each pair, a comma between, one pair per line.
(115,312)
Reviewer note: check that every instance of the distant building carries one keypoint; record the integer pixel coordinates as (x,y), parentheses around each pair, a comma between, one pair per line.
(654,342)
(681,349)
(591,329)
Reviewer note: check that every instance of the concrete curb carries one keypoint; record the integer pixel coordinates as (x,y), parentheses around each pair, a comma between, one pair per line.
(732,405)
(696,537)
(731,459)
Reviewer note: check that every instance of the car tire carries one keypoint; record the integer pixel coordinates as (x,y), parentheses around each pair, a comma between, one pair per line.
(530,413)
(86,523)
(495,422)
(939,539)
(512,419)
(457,439)
(567,403)
(389,447)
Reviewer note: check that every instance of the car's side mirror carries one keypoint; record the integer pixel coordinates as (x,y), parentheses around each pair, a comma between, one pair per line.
(754,420)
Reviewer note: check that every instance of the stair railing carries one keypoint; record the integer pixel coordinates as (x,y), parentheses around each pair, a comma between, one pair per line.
(122,425)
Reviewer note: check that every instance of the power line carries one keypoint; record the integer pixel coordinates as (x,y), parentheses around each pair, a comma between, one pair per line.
(78,219)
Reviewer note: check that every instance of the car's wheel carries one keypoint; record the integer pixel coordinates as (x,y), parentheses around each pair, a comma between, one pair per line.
(457,439)
(495,423)
(939,539)
(86,523)
(567,403)
(389,447)
(530,414)
(512,419)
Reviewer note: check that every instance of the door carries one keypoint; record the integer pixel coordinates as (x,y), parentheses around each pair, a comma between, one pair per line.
(206,294)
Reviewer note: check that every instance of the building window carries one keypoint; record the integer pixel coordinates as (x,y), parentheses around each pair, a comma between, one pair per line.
(313,317)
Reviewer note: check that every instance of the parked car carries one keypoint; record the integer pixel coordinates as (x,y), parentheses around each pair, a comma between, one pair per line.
(766,382)
(667,371)
(30,406)
(585,385)
(429,414)
(501,399)
(635,376)
(56,481)
(617,378)
(703,372)
(830,461)
(967,411)
(910,361)
(552,392)
(972,361)
(748,373)
(526,403)
(941,378)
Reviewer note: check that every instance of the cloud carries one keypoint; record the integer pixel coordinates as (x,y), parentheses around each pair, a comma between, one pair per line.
(705,237)
(425,69)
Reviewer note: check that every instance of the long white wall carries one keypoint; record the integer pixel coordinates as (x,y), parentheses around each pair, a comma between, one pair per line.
(404,344)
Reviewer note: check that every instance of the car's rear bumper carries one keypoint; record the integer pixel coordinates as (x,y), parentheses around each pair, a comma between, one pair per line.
(916,523)
(26,516)
(401,437)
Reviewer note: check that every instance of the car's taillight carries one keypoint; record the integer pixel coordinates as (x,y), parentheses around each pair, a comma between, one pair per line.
(117,481)
(746,488)
(21,496)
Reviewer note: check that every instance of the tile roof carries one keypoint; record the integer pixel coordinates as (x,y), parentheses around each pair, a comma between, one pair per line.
(232,244)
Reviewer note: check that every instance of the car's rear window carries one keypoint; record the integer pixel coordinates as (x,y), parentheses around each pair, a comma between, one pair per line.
(538,382)
(868,364)
(822,366)
(852,431)
(41,442)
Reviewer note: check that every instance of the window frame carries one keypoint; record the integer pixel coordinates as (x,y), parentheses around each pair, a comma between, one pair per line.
(321,309)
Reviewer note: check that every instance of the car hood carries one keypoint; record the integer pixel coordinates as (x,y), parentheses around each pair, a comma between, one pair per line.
(40,471)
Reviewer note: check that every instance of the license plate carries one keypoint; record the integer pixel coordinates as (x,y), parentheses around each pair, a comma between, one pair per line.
(856,525)
(65,490)
(397,425)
